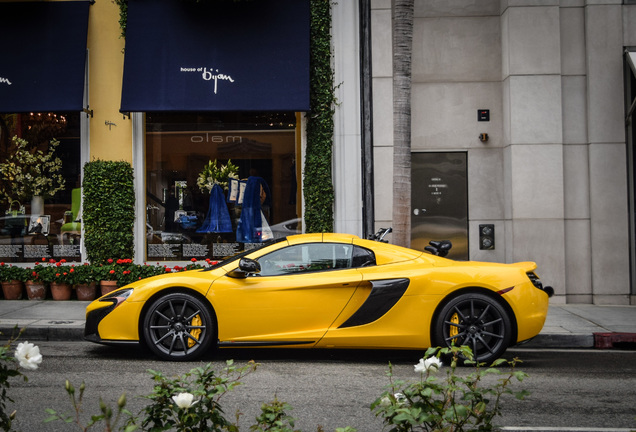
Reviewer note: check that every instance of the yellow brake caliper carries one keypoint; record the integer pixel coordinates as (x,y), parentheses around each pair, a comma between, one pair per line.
(454,330)
(195,333)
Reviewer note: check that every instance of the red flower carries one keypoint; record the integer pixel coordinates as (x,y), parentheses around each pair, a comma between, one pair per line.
(51,261)
(168,270)
(58,264)
(72,270)
(62,260)
(110,260)
(193,260)
(112,272)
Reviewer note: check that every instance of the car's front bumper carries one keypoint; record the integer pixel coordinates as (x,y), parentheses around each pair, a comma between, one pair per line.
(112,321)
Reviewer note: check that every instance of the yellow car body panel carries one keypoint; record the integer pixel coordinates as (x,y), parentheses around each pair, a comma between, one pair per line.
(395,302)
(250,309)
(121,323)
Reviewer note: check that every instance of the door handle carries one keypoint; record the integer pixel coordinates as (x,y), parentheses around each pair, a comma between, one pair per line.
(418,211)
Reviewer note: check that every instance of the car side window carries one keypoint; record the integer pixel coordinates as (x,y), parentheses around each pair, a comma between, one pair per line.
(309,257)
(362,257)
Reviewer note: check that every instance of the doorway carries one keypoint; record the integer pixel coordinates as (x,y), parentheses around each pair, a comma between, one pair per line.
(439,201)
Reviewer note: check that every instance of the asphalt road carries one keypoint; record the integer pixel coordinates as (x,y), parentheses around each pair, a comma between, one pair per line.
(332,389)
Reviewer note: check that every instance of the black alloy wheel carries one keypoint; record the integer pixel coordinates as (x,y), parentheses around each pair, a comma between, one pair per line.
(178,327)
(477,321)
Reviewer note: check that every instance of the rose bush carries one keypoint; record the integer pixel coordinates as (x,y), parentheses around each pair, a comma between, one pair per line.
(459,403)
(191,402)
(28,357)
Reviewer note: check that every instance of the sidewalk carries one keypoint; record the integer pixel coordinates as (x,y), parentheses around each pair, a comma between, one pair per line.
(567,326)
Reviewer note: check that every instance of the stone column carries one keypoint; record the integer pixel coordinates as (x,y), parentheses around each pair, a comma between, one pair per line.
(533,129)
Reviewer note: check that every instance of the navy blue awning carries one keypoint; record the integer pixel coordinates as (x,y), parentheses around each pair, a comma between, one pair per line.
(43,55)
(216,56)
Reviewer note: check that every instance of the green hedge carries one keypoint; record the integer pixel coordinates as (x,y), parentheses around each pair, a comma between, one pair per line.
(317,181)
(108,210)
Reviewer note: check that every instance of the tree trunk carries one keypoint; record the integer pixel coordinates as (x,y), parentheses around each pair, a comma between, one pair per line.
(402,49)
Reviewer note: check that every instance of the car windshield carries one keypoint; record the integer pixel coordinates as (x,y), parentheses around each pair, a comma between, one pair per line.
(242,254)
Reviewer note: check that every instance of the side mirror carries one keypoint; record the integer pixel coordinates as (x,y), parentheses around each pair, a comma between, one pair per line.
(246,266)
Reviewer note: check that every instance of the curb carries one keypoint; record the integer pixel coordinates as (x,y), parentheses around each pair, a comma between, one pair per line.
(56,330)
(565,340)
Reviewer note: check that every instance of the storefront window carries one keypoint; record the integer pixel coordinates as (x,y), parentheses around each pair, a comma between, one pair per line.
(40,180)
(187,217)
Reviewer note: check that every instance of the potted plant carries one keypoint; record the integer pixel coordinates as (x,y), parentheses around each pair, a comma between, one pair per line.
(12,278)
(61,279)
(30,173)
(85,280)
(135,272)
(107,276)
(35,281)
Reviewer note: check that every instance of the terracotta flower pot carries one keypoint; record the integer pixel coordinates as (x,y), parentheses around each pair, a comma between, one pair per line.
(86,292)
(12,290)
(60,291)
(107,286)
(35,290)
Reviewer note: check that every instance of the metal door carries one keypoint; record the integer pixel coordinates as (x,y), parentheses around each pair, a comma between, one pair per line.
(439,200)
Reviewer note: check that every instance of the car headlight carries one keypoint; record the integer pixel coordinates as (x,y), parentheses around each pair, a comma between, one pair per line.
(117,297)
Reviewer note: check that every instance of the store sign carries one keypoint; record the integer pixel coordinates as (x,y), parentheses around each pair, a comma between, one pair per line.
(210,75)
(218,139)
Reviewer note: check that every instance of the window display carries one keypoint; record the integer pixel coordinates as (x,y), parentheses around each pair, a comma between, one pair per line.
(40,187)
(219,183)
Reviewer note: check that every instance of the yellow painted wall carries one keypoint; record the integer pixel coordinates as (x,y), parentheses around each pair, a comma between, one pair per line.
(106,64)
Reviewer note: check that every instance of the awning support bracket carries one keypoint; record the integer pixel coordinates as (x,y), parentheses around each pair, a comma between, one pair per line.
(88,112)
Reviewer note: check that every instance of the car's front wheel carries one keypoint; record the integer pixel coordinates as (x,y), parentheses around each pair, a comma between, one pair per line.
(474,320)
(178,327)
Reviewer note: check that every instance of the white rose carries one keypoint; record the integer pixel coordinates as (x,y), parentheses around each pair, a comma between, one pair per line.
(28,355)
(184,400)
(430,364)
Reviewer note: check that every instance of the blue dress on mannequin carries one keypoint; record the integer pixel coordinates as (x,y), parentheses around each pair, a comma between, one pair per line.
(218,217)
(250,226)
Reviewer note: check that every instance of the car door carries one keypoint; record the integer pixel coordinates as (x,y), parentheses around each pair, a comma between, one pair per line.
(298,294)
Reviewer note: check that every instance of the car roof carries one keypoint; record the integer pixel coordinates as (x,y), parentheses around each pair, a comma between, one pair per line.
(321,237)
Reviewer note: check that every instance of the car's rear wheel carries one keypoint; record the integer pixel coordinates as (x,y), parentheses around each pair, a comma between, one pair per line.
(179,327)
(477,321)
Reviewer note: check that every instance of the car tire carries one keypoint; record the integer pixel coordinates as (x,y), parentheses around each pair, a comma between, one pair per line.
(474,320)
(179,327)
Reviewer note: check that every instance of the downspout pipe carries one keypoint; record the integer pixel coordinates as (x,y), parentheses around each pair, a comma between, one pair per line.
(366,113)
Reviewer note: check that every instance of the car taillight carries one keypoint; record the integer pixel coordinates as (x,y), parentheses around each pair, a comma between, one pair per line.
(537,283)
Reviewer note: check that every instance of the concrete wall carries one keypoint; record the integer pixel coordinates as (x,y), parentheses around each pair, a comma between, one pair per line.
(552,177)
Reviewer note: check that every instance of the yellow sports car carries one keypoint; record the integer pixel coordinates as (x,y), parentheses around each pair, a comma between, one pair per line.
(327,291)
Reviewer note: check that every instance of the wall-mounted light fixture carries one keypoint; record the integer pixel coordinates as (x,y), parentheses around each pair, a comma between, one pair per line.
(483,137)
(487,237)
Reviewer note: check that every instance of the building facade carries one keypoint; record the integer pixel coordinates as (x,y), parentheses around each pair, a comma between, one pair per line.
(521,139)
(550,84)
